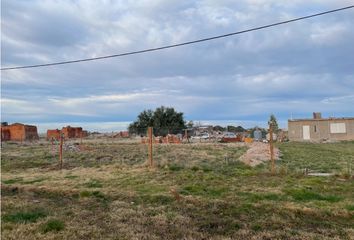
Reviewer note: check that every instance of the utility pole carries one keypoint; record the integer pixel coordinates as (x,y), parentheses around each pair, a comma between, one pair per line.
(150,146)
(271,147)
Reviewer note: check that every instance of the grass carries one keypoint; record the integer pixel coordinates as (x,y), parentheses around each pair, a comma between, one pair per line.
(329,157)
(24,216)
(307,195)
(192,193)
(53,225)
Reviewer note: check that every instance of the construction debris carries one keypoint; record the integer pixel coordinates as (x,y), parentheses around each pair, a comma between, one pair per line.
(170,138)
(258,153)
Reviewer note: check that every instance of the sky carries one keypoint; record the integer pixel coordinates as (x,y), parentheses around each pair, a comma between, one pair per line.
(290,70)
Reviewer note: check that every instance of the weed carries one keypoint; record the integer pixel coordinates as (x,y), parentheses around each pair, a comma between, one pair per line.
(93,183)
(52,225)
(24,216)
(71,176)
(350,207)
(256,227)
(307,195)
(13,180)
(85,193)
(175,167)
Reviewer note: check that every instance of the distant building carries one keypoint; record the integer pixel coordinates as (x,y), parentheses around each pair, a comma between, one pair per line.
(53,134)
(68,132)
(18,132)
(318,129)
(257,135)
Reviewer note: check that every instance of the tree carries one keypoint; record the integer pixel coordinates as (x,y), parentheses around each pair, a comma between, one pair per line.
(144,120)
(218,128)
(273,123)
(164,120)
(235,129)
(190,124)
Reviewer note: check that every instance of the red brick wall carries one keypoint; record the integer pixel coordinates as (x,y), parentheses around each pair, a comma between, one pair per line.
(53,134)
(5,134)
(31,132)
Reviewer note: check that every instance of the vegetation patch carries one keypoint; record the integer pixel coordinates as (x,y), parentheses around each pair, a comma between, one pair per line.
(307,195)
(34,180)
(350,207)
(175,167)
(24,216)
(96,194)
(71,176)
(200,190)
(93,183)
(13,180)
(52,225)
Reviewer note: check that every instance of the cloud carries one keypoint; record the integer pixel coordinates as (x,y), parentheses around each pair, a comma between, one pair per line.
(296,68)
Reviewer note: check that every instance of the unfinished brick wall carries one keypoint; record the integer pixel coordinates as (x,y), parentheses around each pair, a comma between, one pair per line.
(78,132)
(68,132)
(84,133)
(73,132)
(55,134)
(19,132)
(31,132)
(5,134)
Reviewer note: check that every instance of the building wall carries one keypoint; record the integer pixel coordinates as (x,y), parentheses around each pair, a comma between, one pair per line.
(31,132)
(73,132)
(5,134)
(68,132)
(55,134)
(78,132)
(320,129)
(17,132)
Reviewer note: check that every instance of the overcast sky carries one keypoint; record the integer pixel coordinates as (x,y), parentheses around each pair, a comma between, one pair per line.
(293,69)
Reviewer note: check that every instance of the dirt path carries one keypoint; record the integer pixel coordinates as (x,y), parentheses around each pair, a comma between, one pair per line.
(258,153)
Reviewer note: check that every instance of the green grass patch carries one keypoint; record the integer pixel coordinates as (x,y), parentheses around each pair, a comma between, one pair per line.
(307,195)
(175,167)
(71,177)
(13,180)
(254,197)
(200,190)
(155,199)
(93,183)
(52,225)
(97,194)
(350,207)
(34,180)
(24,216)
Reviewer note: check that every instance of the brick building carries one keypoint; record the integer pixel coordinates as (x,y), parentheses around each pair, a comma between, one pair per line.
(55,134)
(68,132)
(18,132)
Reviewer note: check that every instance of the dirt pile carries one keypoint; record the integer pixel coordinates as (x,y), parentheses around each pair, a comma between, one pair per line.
(258,153)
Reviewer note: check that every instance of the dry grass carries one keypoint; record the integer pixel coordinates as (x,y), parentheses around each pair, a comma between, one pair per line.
(196,191)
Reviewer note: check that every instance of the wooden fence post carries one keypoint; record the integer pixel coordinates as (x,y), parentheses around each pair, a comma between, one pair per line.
(271,147)
(150,146)
(52,142)
(61,152)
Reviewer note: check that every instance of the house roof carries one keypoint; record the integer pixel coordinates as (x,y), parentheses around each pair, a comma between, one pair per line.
(320,119)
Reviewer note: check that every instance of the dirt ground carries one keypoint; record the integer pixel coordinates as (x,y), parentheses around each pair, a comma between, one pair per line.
(258,153)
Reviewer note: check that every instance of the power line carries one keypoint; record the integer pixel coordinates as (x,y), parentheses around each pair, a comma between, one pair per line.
(179,44)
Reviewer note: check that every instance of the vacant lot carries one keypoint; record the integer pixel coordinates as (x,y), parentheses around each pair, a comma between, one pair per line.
(195,191)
